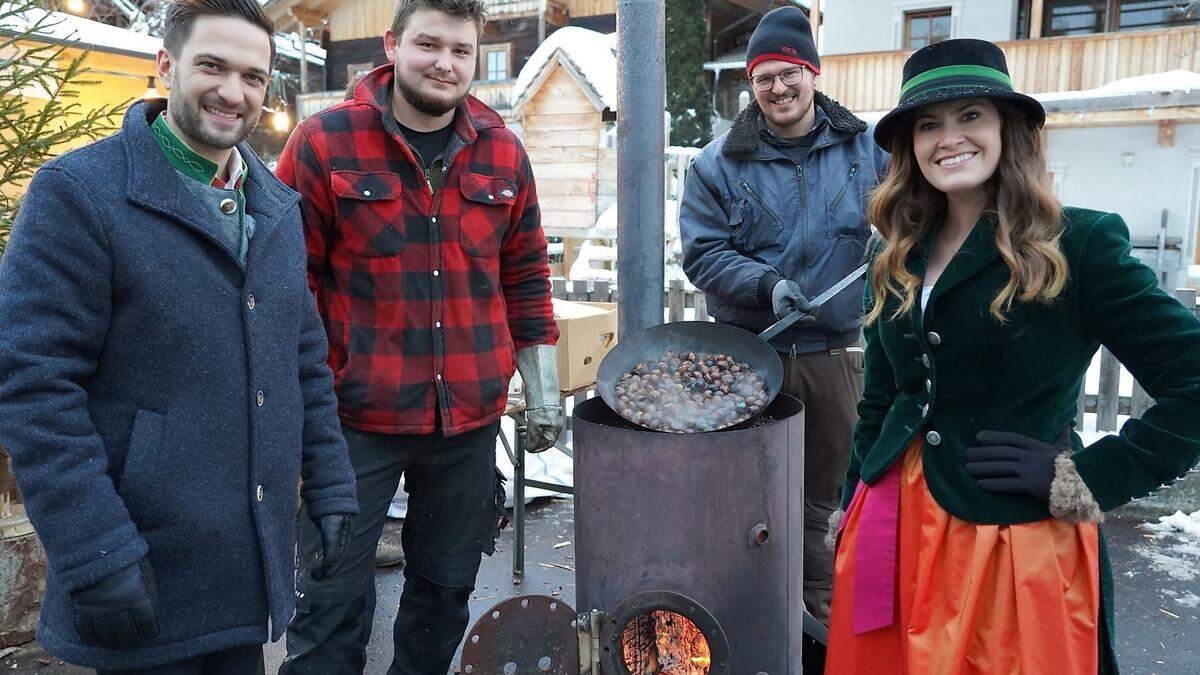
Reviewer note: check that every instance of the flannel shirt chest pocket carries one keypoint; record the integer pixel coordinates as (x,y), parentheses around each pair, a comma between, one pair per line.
(486,211)
(370,212)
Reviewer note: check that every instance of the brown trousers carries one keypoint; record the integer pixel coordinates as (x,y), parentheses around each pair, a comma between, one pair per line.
(830,384)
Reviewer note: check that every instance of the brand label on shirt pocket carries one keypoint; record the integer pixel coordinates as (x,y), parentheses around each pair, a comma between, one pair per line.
(486,212)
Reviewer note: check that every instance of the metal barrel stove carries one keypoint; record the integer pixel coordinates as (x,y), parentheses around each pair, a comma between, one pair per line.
(704,526)
(709,526)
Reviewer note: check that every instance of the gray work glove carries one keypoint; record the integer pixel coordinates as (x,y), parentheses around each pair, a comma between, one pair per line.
(786,298)
(538,366)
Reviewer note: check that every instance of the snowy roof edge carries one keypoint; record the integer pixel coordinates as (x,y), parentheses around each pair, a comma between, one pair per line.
(73,29)
(586,54)
(1170,88)
(558,56)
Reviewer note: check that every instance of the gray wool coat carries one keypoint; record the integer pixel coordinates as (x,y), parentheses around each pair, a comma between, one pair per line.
(158,398)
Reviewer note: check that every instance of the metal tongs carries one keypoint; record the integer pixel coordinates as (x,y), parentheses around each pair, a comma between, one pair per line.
(809,310)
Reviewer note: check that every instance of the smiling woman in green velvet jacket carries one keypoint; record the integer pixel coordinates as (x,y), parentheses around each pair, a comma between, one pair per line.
(970,542)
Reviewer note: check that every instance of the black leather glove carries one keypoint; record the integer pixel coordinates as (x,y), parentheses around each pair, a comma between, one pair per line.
(118,611)
(1002,461)
(786,298)
(335,539)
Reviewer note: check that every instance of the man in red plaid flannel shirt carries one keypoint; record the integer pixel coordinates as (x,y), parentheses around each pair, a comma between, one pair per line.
(428,261)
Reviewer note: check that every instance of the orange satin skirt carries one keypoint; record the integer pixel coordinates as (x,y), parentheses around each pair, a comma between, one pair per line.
(985,599)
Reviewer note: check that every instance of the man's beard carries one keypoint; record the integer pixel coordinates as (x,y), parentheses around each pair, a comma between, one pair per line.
(791,117)
(426,104)
(186,113)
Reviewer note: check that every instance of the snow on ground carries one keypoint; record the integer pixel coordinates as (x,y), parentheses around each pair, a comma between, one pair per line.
(1180,524)
(1174,548)
(1188,599)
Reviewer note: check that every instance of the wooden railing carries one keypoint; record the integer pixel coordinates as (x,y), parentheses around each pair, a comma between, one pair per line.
(511,9)
(871,81)
(497,94)
(677,298)
(1106,401)
(310,104)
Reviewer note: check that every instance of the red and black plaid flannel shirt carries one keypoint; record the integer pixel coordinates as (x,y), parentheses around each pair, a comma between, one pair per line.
(426,295)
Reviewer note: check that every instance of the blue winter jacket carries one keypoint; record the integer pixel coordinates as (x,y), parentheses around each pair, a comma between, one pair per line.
(161,400)
(750,216)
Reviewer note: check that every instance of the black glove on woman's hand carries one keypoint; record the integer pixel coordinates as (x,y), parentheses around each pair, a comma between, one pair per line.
(1002,461)
(335,539)
(118,611)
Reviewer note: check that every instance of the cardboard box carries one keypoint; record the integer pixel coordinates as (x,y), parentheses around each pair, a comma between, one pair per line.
(587,331)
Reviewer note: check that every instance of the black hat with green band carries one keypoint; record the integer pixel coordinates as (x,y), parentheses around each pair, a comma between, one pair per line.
(952,70)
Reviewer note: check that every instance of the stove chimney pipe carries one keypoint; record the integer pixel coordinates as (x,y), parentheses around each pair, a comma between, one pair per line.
(641,102)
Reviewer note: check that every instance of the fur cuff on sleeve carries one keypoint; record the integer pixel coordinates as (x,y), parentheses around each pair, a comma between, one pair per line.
(835,521)
(1070,498)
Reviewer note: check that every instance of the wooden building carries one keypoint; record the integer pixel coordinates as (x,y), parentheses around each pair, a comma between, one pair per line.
(565,102)
(352,34)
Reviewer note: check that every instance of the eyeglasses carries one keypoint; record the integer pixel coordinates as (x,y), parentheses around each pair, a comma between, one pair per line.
(790,78)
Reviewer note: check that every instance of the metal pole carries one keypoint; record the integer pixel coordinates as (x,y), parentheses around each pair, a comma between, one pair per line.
(518,571)
(542,9)
(303,59)
(641,101)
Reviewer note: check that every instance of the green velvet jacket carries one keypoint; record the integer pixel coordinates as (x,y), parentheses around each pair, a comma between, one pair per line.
(953,370)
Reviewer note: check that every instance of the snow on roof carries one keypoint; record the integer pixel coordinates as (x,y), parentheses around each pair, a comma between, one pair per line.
(1168,82)
(289,46)
(735,59)
(78,30)
(1154,83)
(591,54)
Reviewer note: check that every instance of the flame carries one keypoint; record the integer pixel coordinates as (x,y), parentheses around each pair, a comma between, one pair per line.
(667,643)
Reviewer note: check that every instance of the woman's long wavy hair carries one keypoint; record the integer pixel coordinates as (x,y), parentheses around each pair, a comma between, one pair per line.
(1028,220)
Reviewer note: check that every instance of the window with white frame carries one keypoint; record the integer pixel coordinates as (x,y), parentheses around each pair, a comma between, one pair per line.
(925,27)
(917,23)
(495,60)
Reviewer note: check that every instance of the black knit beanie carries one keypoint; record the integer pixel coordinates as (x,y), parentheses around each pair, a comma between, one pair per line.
(784,34)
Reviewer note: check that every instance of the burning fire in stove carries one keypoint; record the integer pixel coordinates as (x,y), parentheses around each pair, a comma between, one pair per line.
(664,642)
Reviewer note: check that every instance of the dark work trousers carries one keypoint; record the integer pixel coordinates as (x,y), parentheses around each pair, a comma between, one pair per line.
(451,522)
(830,384)
(243,660)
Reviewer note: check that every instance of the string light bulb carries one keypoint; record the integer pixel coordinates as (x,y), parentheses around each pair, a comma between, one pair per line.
(280,121)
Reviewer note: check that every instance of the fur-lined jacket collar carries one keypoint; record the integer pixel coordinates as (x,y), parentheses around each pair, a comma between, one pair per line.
(743,139)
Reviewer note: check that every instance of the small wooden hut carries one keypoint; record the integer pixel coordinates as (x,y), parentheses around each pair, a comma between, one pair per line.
(565,101)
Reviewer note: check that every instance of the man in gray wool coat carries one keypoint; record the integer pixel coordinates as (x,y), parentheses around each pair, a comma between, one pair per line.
(163,384)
